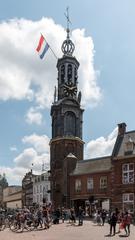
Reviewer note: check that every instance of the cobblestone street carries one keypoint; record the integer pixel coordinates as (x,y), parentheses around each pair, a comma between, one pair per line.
(66,231)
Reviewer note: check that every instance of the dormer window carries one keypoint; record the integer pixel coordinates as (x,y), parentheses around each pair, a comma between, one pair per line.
(129,146)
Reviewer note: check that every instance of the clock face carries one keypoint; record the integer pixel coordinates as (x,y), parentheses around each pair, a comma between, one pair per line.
(69,89)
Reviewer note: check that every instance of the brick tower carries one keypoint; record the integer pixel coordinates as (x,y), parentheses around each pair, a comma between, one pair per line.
(66,145)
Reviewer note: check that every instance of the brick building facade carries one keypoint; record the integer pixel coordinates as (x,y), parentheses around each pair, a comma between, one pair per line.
(91,181)
(108,178)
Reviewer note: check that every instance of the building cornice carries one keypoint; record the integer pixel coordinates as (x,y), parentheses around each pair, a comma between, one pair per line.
(71,138)
(124,157)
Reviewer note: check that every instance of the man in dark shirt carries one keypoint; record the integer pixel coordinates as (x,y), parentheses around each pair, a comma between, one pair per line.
(113,221)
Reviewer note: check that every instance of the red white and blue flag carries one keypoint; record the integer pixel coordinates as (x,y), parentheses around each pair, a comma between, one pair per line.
(42,47)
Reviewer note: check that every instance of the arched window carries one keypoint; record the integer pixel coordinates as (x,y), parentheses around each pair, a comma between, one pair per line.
(70,124)
(62,73)
(69,72)
(75,75)
(58,125)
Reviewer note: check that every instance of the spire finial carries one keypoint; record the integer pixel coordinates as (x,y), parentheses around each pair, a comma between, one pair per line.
(67,46)
(68,21)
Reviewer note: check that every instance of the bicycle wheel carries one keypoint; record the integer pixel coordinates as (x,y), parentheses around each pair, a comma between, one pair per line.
(2,227)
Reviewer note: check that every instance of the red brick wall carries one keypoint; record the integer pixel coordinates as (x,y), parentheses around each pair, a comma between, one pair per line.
(118,188)
(97,192)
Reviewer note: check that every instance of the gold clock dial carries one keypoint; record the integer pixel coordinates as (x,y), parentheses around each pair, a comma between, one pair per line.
(70,89)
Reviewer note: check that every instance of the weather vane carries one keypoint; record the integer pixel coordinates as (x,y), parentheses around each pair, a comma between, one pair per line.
(67,17)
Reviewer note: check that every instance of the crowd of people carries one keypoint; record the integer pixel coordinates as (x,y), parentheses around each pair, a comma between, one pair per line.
(39,217)
(43,217)
(114,218)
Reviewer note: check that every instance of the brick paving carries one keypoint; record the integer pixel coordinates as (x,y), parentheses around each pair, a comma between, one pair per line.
(66,231)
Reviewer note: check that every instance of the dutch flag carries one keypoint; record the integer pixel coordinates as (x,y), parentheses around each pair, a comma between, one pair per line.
(42,47)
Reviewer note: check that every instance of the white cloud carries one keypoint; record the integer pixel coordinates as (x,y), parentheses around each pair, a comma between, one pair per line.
(36,154)
(101,146)
(33,116)
(13,175)
(32,157)
(24,76)
(40,143)
(13,149)
(26,158)
(29,158)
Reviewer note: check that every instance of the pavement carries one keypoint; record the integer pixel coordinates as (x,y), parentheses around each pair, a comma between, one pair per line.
(66,231)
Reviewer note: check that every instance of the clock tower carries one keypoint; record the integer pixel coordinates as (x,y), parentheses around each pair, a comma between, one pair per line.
(66,145)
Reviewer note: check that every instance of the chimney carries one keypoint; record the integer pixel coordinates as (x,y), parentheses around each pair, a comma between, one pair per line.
(121,128)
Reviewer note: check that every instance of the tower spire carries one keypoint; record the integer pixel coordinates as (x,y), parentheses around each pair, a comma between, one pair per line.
(68,46)
(68,21)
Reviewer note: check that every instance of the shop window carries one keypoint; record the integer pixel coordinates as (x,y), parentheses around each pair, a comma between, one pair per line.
(128,202)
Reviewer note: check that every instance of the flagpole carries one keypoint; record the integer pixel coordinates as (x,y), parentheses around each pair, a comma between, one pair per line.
(50,47)
(53,52)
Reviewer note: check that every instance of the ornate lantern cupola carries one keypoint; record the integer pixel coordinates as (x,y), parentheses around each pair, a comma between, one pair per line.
(68,47)
(67,68)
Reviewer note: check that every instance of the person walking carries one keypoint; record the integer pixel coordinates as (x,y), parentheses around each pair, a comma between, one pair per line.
(45,216)
(113,221)
(80,216)
(127,221)
(72,216)
(103,216)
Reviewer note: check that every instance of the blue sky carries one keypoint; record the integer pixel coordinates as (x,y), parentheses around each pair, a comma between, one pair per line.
(104,35)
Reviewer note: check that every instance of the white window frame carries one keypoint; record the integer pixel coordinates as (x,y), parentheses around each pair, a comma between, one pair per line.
(128,202)
(90,183)
(103,182)
(128,173)
(78,185)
